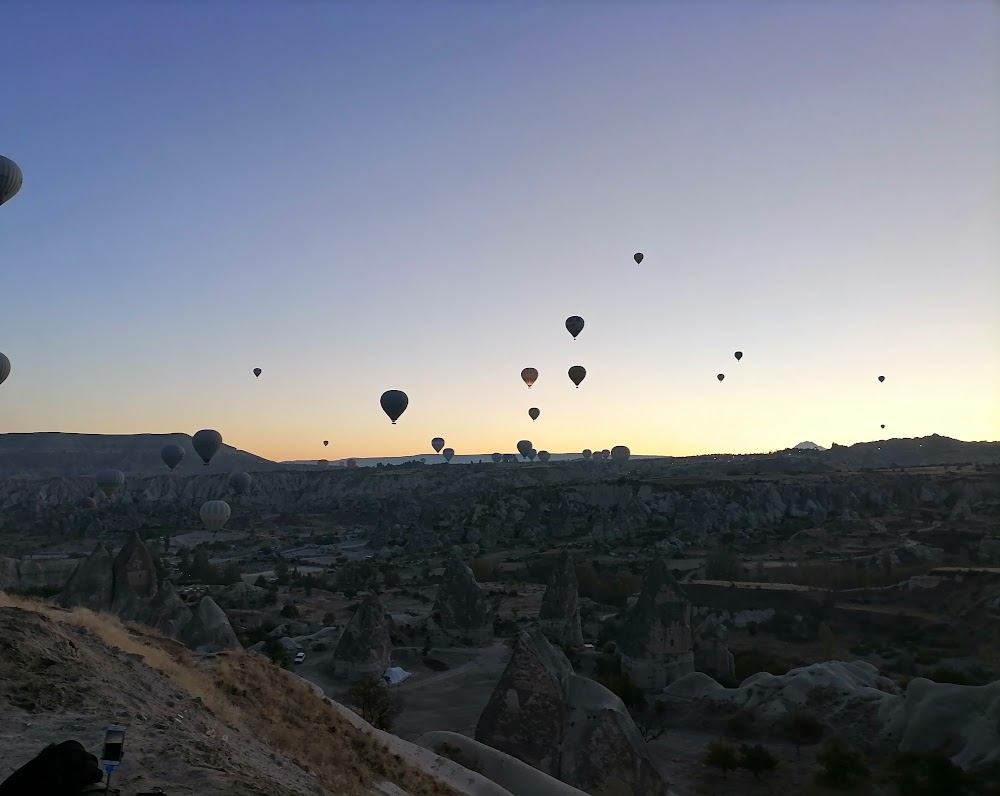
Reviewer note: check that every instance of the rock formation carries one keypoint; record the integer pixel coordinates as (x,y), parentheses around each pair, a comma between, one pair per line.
(209,629)
(461,610)
(134,579)
(92,583)
(167,611)
(711,650)
(365,646)
(565,725)
(655,645)
(559,616)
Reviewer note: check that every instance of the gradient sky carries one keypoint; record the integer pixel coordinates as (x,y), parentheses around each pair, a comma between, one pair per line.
(364,196)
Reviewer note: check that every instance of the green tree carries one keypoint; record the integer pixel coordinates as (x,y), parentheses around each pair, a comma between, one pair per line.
(827,642)
(374,701)
(277,654)
(842,766)
(721,755)
(289,611)
(804,729)
(281,573)
(757,760)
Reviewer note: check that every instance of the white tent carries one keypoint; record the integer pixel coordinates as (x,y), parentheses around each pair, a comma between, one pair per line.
(394,675)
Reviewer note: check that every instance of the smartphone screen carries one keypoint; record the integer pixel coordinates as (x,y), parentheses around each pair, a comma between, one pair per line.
(114,741)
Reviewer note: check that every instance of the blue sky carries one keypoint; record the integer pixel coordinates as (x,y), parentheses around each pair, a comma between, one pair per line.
(358,197)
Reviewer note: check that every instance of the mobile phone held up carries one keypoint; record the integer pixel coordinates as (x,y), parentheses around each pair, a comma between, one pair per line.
(114,746)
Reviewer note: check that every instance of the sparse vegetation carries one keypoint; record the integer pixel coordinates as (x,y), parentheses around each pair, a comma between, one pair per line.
(723,756)
(757,760)
(375,702)
(843,767)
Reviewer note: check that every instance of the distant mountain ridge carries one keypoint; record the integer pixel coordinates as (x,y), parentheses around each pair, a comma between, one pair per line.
(53,454)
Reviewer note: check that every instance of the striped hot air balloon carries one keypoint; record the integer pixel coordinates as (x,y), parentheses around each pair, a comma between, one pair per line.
(11,179)
(110,481)
(215,514)
(4,368)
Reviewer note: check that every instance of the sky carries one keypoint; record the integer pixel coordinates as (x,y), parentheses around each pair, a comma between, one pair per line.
(358,197)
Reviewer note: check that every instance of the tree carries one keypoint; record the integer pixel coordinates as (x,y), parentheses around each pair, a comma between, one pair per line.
(166,543)
(374,701)
(804,729)
(231,575)
(930,774)
(757,760)
(721,755)
(329,618)
(277,654)
(261,581)
(843,766)
(827,642)
(651,722)
(281,573)
(289,611)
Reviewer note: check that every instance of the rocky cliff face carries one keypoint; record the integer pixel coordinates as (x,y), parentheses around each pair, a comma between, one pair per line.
(559,615)
(460,609)
(567,726)
(480,506)
(365,646)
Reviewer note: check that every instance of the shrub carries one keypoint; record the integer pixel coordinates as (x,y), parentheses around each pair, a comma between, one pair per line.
(757,760)
(374,702)
(289,611)
(930,774)
(804,728)
(721,755)
(842,766)
(949,674)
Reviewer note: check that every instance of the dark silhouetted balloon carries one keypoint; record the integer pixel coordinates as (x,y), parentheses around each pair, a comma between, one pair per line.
(171,455)
(544,456)
(587,453)
(497,458)
(326,442)
(448,453)
(721,376)
(322,464)
(86,503)
(206,444)
(637,257)
(110,481)
(352,464)
(240,482)
(883,425)
(215,514)
(394,403)
(524,447)
(881,378)
(10,179)
(4,368)
(437,443)
(620,454)
(574,325)
(738,355)
(533,413)
(256,372)
(577,374)
(532,454)
(529,376)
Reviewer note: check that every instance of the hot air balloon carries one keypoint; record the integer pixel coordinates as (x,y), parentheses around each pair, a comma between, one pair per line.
(532,454)
(4,368)
(110,481)
(509,457)
(620,454)
(394,403)
(637,257)
(322,464)
(239,482)
(448,453)
(587,453)
(256,372)
(883,425)
(497,458)
(326,442)
(529,376)
(721,376)
(10,179)
(881,378)
(437,443)
(574,325)
(215,514)
(524,447)
(605,454)
(544,456)
(351,464)
(577,374)
(171,455)
(738,355)
(206,444)
(533,413)
(86,503)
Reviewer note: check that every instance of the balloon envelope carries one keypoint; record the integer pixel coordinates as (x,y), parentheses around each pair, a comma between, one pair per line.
(256,372)
(326,442)
(240,482)
(4,368)
(110,481)
(529,376)
(883,425)
(351,464)
(544,456)
(721,376)
(574,325)
(322,464)
(533,413)
(86,503)
(577,374)
(215,514)
(620,454)
(171,455)
(587,453)
(497,458)
(532,454)
(881,378)
(438,444)
(206,444)
(738,355)
(637,257)
(11,179)
(448,453)
(524,447)
(394,403)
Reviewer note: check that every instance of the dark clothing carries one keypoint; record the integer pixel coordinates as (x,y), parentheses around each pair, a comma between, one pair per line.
(58,770)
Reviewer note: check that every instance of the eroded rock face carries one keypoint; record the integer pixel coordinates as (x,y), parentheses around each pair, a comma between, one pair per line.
(92,583)
(134,579)
(711,650)
(655,645)
(209,629)
(565,725)
(167,611)
(460,608)
(559,616)
(364,646)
